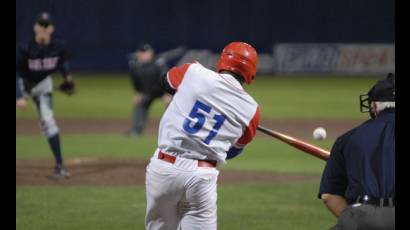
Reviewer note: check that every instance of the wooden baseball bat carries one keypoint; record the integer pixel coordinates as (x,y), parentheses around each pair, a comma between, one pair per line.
(305,147)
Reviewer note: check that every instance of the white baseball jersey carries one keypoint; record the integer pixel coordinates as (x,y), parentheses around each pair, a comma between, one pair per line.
(209,114)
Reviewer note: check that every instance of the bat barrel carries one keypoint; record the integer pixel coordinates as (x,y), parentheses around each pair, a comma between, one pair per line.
(301,145)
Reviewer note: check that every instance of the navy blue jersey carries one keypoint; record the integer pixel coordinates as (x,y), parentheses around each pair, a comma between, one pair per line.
(362,161)
(34,62)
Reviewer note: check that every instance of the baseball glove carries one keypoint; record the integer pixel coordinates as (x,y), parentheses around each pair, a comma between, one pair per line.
(67,87)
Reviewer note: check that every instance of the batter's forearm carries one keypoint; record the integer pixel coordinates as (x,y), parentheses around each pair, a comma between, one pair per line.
(335,203)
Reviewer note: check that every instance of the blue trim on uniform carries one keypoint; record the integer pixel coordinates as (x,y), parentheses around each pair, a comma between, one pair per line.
(233,152)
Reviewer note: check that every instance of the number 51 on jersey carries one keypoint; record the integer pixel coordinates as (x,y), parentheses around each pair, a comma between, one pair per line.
(197,112)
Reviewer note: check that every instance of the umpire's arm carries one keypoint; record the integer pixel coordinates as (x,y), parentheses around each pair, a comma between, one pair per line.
(334,181)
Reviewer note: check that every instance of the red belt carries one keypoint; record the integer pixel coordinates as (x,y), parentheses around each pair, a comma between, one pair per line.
(171,159)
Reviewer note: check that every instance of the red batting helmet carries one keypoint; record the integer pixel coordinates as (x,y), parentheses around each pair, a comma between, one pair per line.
(240,58)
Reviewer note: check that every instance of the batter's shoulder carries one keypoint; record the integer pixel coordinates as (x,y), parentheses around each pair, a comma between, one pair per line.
(196,68)
(251,101)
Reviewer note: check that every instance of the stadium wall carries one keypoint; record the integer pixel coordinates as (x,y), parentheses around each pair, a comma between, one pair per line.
(100,34)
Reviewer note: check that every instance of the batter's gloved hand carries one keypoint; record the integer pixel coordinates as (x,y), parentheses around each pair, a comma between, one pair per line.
(67,87)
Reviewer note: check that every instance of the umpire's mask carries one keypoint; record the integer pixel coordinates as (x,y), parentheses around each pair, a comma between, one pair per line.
(383,91)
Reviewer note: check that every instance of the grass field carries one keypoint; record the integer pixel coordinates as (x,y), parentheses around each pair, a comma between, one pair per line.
(248,206)
(303,97)
(288,205)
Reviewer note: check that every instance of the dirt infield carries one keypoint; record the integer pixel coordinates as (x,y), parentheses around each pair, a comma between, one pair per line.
(293,127)
(110,172)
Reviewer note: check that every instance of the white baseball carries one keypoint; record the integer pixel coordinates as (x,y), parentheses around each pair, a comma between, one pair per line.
(319,133)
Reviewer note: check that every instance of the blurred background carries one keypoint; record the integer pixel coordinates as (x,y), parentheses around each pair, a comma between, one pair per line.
(101,33)
(315,59)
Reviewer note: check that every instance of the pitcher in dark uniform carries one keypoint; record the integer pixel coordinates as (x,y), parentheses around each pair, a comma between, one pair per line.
(36,60)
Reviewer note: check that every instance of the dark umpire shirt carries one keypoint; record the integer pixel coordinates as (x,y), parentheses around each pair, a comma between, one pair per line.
(34,62)
(362,161)
(146,77)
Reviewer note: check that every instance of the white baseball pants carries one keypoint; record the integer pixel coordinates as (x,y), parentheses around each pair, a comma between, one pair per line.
(42,97)
(180,195)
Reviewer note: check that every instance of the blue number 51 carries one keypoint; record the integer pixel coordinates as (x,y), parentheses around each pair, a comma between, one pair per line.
(196,114)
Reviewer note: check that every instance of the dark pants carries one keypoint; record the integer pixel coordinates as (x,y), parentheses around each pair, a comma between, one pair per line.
(366,217)
(141,112)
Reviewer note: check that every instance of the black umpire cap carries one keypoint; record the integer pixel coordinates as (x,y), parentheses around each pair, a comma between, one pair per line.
(44,19)
(383,90)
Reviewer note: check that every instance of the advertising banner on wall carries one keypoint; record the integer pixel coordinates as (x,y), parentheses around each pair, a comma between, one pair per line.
(334,58)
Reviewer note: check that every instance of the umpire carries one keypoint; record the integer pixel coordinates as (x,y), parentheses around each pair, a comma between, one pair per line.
(145,73)
(358,182)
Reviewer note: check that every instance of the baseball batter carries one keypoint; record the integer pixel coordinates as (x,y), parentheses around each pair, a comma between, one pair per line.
(36,59)
(210,119)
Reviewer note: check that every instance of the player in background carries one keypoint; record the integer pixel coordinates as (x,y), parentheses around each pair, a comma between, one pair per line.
(209,120)
(145,73)
(36,59)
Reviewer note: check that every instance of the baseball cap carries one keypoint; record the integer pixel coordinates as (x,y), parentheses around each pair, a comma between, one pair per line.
(44,19)
(144,47)
(384,90)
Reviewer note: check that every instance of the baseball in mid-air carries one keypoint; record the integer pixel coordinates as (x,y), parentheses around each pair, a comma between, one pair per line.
(319,133)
